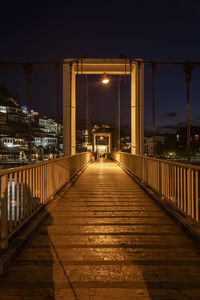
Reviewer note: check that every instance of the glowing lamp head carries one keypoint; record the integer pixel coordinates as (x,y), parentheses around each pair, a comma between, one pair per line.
(105,79)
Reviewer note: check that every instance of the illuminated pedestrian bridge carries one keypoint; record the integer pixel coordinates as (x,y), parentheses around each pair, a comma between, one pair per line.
(121,227)
(102,235)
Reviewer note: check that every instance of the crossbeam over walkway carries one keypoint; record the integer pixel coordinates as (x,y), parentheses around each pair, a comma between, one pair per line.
(105,239)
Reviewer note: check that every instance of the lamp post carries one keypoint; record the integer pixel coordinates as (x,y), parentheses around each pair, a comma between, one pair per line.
(105,79)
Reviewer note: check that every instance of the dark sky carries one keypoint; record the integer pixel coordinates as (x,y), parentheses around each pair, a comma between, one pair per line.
(152,30)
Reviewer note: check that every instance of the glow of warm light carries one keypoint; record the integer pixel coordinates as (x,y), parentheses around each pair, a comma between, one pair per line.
(105,79)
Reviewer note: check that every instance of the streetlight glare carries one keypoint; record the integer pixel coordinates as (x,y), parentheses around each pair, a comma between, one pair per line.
(105,79)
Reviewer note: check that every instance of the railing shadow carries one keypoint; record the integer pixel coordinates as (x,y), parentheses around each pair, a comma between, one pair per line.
(37,261)
(32,267)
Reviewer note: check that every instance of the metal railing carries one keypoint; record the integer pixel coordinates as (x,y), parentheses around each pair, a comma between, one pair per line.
(24,190)
(177,182)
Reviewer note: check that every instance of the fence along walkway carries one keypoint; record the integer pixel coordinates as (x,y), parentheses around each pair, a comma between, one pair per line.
(106,239)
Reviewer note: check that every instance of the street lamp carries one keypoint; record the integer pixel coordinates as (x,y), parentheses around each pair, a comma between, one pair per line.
(105,79)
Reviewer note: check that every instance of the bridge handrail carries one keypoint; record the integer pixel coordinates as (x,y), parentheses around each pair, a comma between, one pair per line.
(163,160)
(24,190)
(177,182)
(7,171)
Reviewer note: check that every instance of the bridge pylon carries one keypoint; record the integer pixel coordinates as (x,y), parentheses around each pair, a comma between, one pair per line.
(121,66)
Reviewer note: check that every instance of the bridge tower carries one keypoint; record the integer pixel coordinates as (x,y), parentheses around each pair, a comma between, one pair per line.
(134,68)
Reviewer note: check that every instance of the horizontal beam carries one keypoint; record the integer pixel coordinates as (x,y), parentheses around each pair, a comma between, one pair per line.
(99,61)
(101,65)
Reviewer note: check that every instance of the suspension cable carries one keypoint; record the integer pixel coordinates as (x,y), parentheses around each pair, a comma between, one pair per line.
(125,99)
(153,69)
(118,115)
(87,140)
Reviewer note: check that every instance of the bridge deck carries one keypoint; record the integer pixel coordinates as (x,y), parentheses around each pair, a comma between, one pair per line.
(106,239)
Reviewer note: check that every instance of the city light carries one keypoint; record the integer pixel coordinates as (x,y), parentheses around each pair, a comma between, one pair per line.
(105,79)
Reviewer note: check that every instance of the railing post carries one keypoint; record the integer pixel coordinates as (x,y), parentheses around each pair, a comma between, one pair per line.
(4,211)
(160,177)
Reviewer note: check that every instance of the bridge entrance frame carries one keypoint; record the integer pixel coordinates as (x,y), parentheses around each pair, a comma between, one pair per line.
(121,66)
(101,134)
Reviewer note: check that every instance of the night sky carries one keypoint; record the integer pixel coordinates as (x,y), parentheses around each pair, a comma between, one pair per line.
(152,30)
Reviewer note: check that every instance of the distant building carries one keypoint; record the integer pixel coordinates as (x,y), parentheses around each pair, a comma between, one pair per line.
(148,144)
(14,133)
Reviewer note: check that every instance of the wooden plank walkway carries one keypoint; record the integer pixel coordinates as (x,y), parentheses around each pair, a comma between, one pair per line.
(106,239)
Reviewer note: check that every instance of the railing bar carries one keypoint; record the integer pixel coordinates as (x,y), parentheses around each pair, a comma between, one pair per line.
(157,176)
(44,186)
(168,184)
(43,176)
(189,192)
(172,183)
(184,184)
(46,183)
(164,182)
(170,178)
(4,211)
(161,176)
(20,196)
(36,187)
(28,192)
(175,184)
(16,199)
(33,189)
(40,183)
(181,170)
(178,186)
(24,194)
(165,176)
(197,195)
(192,191)
(10,201)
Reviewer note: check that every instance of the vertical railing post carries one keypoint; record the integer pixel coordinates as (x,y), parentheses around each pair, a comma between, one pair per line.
(160,177)
(4,211)
(188,71)
(29,71)
(70,95)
